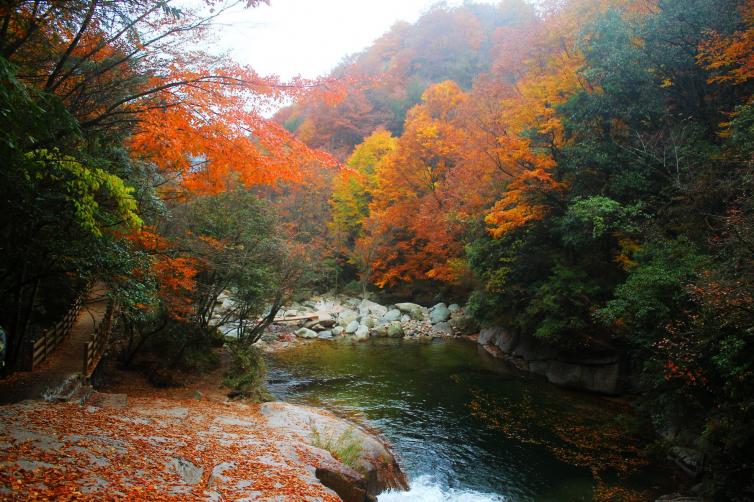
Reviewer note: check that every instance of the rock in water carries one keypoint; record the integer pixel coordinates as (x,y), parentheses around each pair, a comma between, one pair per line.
(325,335)
(375,460)
(306,333)
(352,327)
(442,329)
(362,333)
(380,330)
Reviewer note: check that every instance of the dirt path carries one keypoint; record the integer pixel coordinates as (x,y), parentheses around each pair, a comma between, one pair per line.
(67,359)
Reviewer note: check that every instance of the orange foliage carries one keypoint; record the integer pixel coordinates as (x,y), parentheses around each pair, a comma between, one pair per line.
(731,58)
(410,201)
(521,202)
(213,134)
(175,277)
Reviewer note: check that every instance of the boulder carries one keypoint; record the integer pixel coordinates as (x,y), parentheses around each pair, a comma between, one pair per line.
(464,325)
(306,333)
(326,320)
(338,330)
(325,335)
(442,329)
(405,318)
(372,307)
(380,330)
(486,335)
(395,330)
(391,315)
(362,333)
(454,307)
(590,372)
(412,309)
(346,316)
(352,327)
(439,313)
(350,485)
(375,460)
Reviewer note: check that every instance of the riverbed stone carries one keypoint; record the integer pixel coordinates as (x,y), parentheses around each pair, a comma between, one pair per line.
(362,333)
(326,321)
(391,315)
(325,335)
(414,310)
(345,317)
(379,330)
(439,313)
(338,330)
(464,325)
(372,307)
(306,333)
(454,307)
(442,329)
(352,327)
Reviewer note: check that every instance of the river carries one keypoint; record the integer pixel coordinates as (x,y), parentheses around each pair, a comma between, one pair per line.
(464,426)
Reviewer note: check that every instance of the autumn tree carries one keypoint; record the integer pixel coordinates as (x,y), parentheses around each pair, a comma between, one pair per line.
(410,191)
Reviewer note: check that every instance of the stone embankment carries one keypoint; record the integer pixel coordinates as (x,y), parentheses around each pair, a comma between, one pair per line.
(595,372)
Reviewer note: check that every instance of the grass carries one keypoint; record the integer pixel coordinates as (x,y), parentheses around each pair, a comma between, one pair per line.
(344,447)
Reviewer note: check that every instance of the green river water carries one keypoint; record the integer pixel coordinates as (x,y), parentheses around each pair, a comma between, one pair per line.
(464,426)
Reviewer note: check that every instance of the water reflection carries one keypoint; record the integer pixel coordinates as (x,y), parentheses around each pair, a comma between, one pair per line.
(462,424)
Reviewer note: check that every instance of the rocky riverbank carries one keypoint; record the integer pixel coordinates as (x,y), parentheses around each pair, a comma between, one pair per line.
(187,449)
(598,372)
(332,317)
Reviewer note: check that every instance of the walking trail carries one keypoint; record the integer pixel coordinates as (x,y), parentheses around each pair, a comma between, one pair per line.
(66,361)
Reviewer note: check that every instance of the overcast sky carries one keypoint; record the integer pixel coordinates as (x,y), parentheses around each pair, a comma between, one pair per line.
(310,37)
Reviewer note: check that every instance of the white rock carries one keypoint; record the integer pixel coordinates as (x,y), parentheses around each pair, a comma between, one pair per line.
(362,333)
(306,333)
(352,327)
(372,307)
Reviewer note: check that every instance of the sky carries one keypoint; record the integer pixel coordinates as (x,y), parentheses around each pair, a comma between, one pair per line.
(310,37)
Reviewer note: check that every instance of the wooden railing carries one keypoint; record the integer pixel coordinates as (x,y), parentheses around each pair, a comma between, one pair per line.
(95,347)
(49,340)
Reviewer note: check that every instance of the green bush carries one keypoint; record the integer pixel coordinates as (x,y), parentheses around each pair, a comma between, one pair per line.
(246,374)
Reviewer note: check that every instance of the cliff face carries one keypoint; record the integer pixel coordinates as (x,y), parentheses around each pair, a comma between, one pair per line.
(598,373)
(193,449)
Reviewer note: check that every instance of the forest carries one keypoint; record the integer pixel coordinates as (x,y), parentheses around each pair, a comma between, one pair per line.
(578,171)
